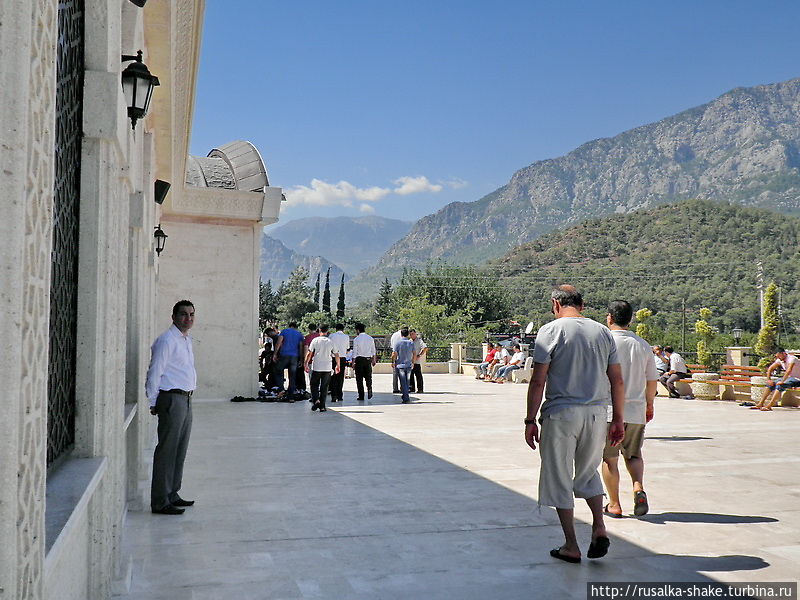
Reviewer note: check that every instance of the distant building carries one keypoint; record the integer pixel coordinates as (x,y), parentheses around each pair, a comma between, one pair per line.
(82,290)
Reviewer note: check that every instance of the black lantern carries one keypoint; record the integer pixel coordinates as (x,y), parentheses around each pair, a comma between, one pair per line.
(737,334)
(161,239)
(137,85)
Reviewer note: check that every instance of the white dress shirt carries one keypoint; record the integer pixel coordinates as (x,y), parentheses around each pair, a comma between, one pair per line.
(341,342)
(171,364)
(364,345)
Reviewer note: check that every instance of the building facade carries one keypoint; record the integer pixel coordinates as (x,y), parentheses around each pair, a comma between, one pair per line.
(82,290)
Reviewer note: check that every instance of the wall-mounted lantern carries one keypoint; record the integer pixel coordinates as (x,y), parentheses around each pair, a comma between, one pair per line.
(161,239)
(137,85)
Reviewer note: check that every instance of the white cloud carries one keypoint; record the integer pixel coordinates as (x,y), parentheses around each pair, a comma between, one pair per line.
(415,185)
(456,183)
(344,193)
(322,193)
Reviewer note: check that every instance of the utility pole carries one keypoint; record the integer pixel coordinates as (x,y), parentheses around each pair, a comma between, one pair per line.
(683,325)
(760,286)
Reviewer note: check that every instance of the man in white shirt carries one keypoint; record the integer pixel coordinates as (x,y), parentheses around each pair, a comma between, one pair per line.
(677,370)
(415,382)
(171,380)
(364,358)
(790,379)
(320,358)
(341,344)
(641,377)
(515,362)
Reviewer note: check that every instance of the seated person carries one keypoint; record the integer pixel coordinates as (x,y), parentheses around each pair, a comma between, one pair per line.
(516,362)
(480,370)
(677,370)
(790,379)
(501,359)
(662,362)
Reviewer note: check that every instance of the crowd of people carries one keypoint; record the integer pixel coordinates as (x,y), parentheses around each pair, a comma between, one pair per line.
(288,356)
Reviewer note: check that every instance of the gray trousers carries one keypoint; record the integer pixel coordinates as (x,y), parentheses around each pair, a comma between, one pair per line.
(174,426)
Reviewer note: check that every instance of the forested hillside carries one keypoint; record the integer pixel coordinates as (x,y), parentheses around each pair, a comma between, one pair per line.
(697,253)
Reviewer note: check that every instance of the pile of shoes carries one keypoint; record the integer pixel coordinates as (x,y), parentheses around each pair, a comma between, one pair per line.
(243,399)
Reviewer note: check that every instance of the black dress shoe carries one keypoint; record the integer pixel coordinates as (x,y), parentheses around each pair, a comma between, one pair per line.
(169,509)
(359,399)
(182,502)
(369,395)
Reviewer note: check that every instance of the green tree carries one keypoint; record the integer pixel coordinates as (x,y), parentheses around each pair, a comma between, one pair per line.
(767,342)
(316,291)
(326,295)
(295,297)
(340,303)
(384,302)
(437,324)
(643,329)
(267,304)
(706,333)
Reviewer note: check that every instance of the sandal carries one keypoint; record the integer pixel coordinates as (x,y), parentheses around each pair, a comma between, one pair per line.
(556,553)
(611,514)
(640,506)
(599,547)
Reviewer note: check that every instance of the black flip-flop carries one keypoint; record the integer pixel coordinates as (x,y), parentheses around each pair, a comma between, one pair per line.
(556,553)
(610,514)
(599,547)
(640,506)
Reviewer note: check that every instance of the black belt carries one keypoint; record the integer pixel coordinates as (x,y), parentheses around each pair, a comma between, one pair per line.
(181,392)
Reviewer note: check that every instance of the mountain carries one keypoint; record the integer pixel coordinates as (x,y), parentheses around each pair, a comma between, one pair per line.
(352,243)
(743,147)
(278,261)
(694,252)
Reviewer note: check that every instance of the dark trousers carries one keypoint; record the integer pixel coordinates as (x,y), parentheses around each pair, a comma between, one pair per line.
(363,368)
(174,427)
(287,363)
(337,380)
(300,376)
(415,381)
(319,386)
(669,382)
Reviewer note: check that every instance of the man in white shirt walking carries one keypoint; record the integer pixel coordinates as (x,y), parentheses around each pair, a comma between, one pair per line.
(319,359)
(364,358)
(641,377)
(341,344)
(171,380)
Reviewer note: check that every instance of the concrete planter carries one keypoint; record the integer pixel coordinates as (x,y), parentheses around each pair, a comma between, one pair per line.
(757,391)
(702,390)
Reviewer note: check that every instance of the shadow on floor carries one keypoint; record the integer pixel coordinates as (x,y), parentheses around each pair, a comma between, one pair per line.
(687,517)
(677,438)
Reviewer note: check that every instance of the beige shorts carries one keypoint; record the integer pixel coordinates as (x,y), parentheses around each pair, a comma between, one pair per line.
(571,447)
(631,446)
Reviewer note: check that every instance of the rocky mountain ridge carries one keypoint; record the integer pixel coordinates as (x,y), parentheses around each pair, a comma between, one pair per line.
(743,147)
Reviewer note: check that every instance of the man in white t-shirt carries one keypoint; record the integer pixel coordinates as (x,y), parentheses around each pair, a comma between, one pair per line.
(501,359)
(641,377)
(577,360)
(677,370)
(319,361)
(515,362)
(790,379)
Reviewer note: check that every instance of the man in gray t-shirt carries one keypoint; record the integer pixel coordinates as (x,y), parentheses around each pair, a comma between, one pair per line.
(577,359)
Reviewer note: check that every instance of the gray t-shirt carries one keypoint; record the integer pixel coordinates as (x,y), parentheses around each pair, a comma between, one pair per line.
(578,351)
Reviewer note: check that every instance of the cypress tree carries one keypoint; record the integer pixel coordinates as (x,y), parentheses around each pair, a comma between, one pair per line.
(326,294)
(340,303)
(316,291)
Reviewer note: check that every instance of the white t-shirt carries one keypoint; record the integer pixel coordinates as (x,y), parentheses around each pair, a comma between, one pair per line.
(341,342)
(419,346)
(637,369)
(518,358)
(323,350)
(790,365)
(677,364)
(504,354)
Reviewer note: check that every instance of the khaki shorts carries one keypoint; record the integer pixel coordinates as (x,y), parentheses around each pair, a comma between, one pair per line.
(631,446)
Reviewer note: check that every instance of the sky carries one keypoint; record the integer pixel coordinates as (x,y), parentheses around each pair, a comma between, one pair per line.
(397,109)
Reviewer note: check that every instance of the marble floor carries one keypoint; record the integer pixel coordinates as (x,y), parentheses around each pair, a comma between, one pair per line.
(437,499)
